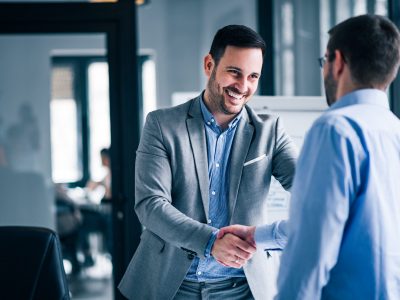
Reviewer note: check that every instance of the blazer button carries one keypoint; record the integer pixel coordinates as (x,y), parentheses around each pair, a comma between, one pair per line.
(190,256)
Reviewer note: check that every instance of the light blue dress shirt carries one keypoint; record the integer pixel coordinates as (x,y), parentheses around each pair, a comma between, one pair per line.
(344,224)
(219,144)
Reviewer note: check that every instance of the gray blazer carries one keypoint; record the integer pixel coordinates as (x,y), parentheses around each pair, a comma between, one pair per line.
(171,190)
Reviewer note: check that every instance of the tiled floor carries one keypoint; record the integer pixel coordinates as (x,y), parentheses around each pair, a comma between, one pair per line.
(93,283)
(91,289)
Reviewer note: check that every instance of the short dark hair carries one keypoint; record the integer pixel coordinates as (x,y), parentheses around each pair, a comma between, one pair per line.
(235,35)
(370,45)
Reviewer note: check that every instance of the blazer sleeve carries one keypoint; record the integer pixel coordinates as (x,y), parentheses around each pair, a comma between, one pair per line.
(284,157)
(153,182)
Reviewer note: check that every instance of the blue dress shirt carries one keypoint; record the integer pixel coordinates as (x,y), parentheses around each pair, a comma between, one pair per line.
(344,224)
(219,144)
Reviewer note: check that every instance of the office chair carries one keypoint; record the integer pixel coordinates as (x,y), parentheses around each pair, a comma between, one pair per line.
(31,266)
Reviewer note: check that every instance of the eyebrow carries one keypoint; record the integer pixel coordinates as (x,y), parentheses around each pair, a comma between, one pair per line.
(233,68)
(240,70)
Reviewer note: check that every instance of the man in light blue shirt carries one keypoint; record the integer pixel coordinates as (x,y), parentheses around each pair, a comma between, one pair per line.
(344,224)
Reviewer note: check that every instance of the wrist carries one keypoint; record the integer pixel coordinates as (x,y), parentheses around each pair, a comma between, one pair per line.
(252,230)
(210,244)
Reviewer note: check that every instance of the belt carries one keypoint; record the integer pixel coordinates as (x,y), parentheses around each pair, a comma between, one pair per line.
(221,284)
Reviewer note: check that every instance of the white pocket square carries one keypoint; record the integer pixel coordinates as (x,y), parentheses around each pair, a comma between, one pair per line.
(252,161)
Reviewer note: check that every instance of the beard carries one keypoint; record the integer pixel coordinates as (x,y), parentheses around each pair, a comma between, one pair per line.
(217,96)
(330,87)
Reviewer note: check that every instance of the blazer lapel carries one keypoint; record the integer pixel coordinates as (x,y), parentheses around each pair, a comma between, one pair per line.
(195,126)
(240,147)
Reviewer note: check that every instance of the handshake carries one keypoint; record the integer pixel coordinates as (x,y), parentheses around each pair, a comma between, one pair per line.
(234,245)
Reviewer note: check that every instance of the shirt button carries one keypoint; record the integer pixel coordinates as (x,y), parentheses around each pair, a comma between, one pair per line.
(212,120)
(213,192)
(209,221)
(217,165)
(208,123)
(198,273)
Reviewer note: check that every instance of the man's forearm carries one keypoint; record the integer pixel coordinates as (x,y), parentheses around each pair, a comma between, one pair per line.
(271,236)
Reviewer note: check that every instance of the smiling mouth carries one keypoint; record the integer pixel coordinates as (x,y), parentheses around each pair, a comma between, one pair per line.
(234,95)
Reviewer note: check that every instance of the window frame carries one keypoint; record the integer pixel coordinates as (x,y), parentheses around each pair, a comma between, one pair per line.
(80,66)
(267,31)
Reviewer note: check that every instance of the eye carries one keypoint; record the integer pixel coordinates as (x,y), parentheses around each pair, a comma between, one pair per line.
(234,72)
(255,76)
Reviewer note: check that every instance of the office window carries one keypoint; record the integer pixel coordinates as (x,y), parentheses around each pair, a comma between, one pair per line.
(99,117)
(80,118)
(64,126)
(300,37)
(147,68)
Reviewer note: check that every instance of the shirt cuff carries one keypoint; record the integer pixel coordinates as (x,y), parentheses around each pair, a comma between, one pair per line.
(271,236)
(210,244)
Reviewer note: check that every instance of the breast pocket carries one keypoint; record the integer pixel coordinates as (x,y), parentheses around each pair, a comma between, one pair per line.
(256,174)
(256,161)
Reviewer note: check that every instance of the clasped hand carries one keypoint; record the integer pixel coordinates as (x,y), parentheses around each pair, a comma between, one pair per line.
(234,245)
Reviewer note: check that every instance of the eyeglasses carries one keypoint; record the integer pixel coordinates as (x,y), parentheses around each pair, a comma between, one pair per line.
(322,60)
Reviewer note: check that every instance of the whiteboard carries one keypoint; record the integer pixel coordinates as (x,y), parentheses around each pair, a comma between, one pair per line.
(297,115)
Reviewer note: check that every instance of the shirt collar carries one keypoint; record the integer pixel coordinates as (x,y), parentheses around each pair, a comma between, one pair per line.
(364,96)
(210,120)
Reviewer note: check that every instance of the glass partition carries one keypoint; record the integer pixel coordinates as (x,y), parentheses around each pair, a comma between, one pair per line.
(54,120)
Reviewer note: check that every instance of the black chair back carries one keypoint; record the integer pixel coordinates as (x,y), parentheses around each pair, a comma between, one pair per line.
(31,266)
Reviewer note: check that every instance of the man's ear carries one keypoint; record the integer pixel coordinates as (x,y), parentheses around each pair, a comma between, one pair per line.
(208,65)
(338,64)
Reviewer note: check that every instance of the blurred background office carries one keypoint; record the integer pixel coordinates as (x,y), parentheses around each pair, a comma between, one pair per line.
(77,77)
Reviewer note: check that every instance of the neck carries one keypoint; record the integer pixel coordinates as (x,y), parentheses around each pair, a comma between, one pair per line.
(346,84)
(223,120)
(220,117)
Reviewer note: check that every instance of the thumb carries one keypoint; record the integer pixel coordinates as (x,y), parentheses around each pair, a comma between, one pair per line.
(221,233)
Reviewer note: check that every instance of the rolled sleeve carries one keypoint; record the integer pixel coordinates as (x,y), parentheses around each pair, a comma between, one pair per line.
(210,244)
(271,236)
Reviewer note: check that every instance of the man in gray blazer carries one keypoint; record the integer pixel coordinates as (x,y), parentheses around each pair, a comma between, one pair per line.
(201,166)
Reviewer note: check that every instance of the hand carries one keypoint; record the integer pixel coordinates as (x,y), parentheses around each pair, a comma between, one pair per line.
(246,233)
(232,251)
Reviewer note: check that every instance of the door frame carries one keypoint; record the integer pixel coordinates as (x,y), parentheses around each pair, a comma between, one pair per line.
(118,22)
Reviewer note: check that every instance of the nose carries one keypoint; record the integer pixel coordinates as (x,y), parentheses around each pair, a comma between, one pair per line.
(242,85)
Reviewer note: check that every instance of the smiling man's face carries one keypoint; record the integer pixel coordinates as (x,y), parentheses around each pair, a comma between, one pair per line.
(234,80)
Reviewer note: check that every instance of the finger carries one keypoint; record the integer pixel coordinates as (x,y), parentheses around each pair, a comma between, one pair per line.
(236,255)
(253,243)
(243,255)
(221,233)
(231,261)
(222,263)
(233,246)
(237,263)
(245,246)
(232,264)
(228,229)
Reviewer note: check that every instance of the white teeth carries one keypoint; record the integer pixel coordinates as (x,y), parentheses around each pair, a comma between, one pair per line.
(234,95)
